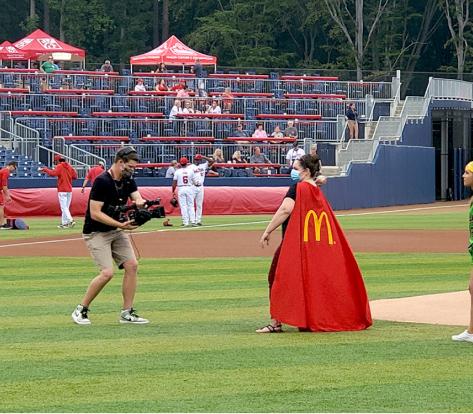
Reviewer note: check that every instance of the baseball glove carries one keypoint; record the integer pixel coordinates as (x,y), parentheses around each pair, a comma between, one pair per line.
(174,202)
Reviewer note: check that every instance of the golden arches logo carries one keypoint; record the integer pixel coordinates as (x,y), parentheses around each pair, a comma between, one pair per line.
(317,225)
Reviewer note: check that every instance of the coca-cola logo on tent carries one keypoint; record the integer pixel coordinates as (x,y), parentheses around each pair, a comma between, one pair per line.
(22,43)
(49,43)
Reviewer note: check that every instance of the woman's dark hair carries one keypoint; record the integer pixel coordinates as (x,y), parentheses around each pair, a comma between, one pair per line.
(312,163)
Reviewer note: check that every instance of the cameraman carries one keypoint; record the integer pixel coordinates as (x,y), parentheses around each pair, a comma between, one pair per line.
(105,238)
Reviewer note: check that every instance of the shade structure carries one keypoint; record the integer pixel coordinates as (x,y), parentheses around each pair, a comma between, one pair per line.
(173,52)
(10,52)
(40,45)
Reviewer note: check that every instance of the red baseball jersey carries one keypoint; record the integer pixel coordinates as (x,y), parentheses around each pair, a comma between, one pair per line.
(94,172)
(65,174)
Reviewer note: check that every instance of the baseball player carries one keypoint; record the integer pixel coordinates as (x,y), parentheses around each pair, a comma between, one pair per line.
(4,192)
(92,174)
(183,180)
(199,169)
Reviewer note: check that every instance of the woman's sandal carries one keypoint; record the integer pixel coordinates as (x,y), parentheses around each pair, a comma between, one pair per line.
(270,329)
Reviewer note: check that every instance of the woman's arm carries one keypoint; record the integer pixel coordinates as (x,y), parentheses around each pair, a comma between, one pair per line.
(284,211)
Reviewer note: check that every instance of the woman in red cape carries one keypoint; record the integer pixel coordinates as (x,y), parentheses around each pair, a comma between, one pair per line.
(314,280)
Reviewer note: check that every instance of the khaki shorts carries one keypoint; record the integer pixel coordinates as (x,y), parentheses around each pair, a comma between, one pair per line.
(108,247)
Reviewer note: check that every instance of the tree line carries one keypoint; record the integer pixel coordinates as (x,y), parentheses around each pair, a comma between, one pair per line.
(369,37)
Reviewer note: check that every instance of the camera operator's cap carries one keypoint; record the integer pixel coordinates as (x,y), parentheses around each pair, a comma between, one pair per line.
(183,161)
(198,157)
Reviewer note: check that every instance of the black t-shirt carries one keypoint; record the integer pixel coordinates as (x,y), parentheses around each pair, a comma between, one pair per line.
(291,193)
(111,193)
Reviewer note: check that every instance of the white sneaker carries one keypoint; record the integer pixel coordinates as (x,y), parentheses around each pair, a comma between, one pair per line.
(463,337)
(72,223)
(130,316)
(79,315)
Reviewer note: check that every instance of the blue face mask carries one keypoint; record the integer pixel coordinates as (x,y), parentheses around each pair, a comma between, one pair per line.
(295,175)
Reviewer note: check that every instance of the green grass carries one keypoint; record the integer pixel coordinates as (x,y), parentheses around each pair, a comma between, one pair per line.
(200,352)
(438,220)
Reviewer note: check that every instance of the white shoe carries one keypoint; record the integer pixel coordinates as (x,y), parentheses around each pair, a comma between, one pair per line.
(79,315)
(463,337)
(130,316)
(72,223)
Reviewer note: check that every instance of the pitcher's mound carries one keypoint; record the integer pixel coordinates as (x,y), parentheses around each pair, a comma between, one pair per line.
(442,309)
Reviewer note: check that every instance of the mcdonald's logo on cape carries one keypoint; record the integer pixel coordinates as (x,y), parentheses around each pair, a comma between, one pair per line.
(318,284)
(317,225)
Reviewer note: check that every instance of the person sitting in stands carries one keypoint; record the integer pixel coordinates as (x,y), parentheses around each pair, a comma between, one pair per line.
(294,154)
(277,133)
(183,93)
(161,68)
(188,109)
(238,159)
(179,85)
(218,156)
(214,108)
(259,131)
(43,85)
(227,100)
(176,109)
(240,132)
(291,130)
(106,67)
(161,86)
(259,158)
(140,86)
(48,66)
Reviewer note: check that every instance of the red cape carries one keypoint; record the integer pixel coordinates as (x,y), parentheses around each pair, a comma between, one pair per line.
(318,284)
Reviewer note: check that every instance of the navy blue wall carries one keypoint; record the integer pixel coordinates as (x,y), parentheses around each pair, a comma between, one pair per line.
(398,175)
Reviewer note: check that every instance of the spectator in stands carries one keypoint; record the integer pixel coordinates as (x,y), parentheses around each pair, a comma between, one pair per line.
(140,86)
(259,158)
(352,121)
(295,153)
(179,85)
(188,109)
(65,174)
(162,86)
(214,108)
(48,66)
(183,93)
(161,68)
(237,158)
(106,67)
(43,85)
(172,169)
(277,133)
(259,131)
(227,100)
(313,150)
(198,69)
(176,109)
(92,174)
(218,156)
(240,132)
(5,196)
(291,130)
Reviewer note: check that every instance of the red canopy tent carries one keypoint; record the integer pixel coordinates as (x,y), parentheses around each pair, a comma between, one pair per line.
(10,52)
(39,46)
(173,52)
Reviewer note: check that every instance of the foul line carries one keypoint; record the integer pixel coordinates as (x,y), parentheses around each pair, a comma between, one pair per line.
(406,210)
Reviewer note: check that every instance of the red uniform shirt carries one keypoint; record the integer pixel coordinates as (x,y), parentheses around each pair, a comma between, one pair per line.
(4,175)
(65,174)
(94,172)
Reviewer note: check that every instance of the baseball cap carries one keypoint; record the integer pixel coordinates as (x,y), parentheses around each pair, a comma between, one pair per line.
(183,161)
(58,157)
(198,157)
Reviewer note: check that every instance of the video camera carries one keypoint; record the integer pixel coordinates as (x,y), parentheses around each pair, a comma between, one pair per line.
(139,216)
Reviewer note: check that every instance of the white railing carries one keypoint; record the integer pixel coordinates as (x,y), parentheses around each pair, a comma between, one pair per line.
(449,89)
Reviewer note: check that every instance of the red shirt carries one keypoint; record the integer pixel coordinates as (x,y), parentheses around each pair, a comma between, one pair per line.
(4,175)
(94,172)
(65,174)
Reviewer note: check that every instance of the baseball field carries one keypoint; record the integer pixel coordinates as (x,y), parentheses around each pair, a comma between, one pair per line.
(205,292)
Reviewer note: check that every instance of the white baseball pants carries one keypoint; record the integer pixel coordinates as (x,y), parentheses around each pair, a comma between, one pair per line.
(199,201)
(65,202)
(186,203)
